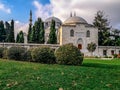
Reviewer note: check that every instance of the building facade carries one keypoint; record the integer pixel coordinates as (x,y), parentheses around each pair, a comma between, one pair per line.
(77,31)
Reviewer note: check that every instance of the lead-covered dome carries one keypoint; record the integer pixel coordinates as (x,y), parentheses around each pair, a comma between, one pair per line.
(75,20)
(53,18)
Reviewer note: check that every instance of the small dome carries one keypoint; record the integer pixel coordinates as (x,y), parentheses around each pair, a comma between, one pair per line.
(74,20)
(53,18)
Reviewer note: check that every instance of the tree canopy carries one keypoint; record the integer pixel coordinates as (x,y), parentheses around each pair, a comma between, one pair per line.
(20,37)
(52,36)
(101,22)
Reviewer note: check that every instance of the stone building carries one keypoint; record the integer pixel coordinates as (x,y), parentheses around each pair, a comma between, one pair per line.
(79,32)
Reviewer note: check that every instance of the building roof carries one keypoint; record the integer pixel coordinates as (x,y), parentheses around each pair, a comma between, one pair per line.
(53,18)
(75,19)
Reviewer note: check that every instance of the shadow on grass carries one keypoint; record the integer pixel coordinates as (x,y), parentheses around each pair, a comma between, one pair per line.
(97,65)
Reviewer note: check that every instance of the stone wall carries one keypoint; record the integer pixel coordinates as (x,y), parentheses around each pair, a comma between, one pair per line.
(109,50)
(8,45)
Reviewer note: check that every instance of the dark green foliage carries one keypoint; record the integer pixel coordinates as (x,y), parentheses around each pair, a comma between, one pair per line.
(115,55)
(32,37)
(29,33)
(27,55)
(20,37)
(11,34)
(101,22)
(91,47)
(69,54)
(116,35)
(2,32)
(16,53)
(5,53)
(2,51)
(52,36)
(7,29)
(30,28)
(37,33)
(43,55)
(41,33)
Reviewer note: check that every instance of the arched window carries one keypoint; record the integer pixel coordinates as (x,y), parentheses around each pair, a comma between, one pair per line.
(72,33)
(88,33)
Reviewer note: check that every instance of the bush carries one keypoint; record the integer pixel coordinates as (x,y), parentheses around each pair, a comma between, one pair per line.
(2,51)
(69,55)
(43,55)
(115,55)
(27,55)
(16,53)
(5,53)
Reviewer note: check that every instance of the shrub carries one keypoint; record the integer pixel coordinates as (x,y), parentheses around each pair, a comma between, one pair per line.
(5,53)
(69,55)
(16,53)
(2,51)
(27,55)
(43,55)
(115,55)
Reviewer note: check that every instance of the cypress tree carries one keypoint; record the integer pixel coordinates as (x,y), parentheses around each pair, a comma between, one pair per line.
(20,37)
(41,33)
(2,32)
(32,38)
(11,34)
(7,29)
(29,33)
(30,27)
(52,36)
(36,31)
(17,38)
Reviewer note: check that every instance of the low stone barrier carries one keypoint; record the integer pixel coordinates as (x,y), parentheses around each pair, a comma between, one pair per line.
(28,45)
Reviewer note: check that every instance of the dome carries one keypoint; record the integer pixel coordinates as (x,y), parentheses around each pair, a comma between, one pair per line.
(53,18)
(74,20)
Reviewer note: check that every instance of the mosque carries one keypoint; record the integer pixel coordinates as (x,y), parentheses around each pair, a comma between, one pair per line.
(80,33)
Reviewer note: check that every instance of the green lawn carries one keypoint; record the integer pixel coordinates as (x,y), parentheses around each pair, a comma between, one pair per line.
(92,75)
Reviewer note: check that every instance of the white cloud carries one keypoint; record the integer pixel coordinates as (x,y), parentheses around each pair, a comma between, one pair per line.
(83,8)
(43,11)
(5,8)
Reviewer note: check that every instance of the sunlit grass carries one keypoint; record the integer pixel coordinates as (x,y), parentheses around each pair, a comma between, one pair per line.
(92,75)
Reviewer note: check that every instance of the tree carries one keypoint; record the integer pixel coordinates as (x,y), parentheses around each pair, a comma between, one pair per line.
(20,37)
(11,34)
(2,32)
(29,33)
(91,47)
(41,33)
(32,38)
(7,29)
(37,32)
(17,38)
(101,22)
(30,27)
(52,36)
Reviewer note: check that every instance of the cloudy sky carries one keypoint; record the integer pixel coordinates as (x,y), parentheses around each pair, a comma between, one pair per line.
(19,9)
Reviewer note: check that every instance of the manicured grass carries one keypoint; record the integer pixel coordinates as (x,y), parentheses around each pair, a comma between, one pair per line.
(92,75)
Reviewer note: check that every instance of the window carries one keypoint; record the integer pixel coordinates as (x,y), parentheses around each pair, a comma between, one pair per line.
(72,33)
(88,33)
(119,51)
(105,52)
(112,52)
